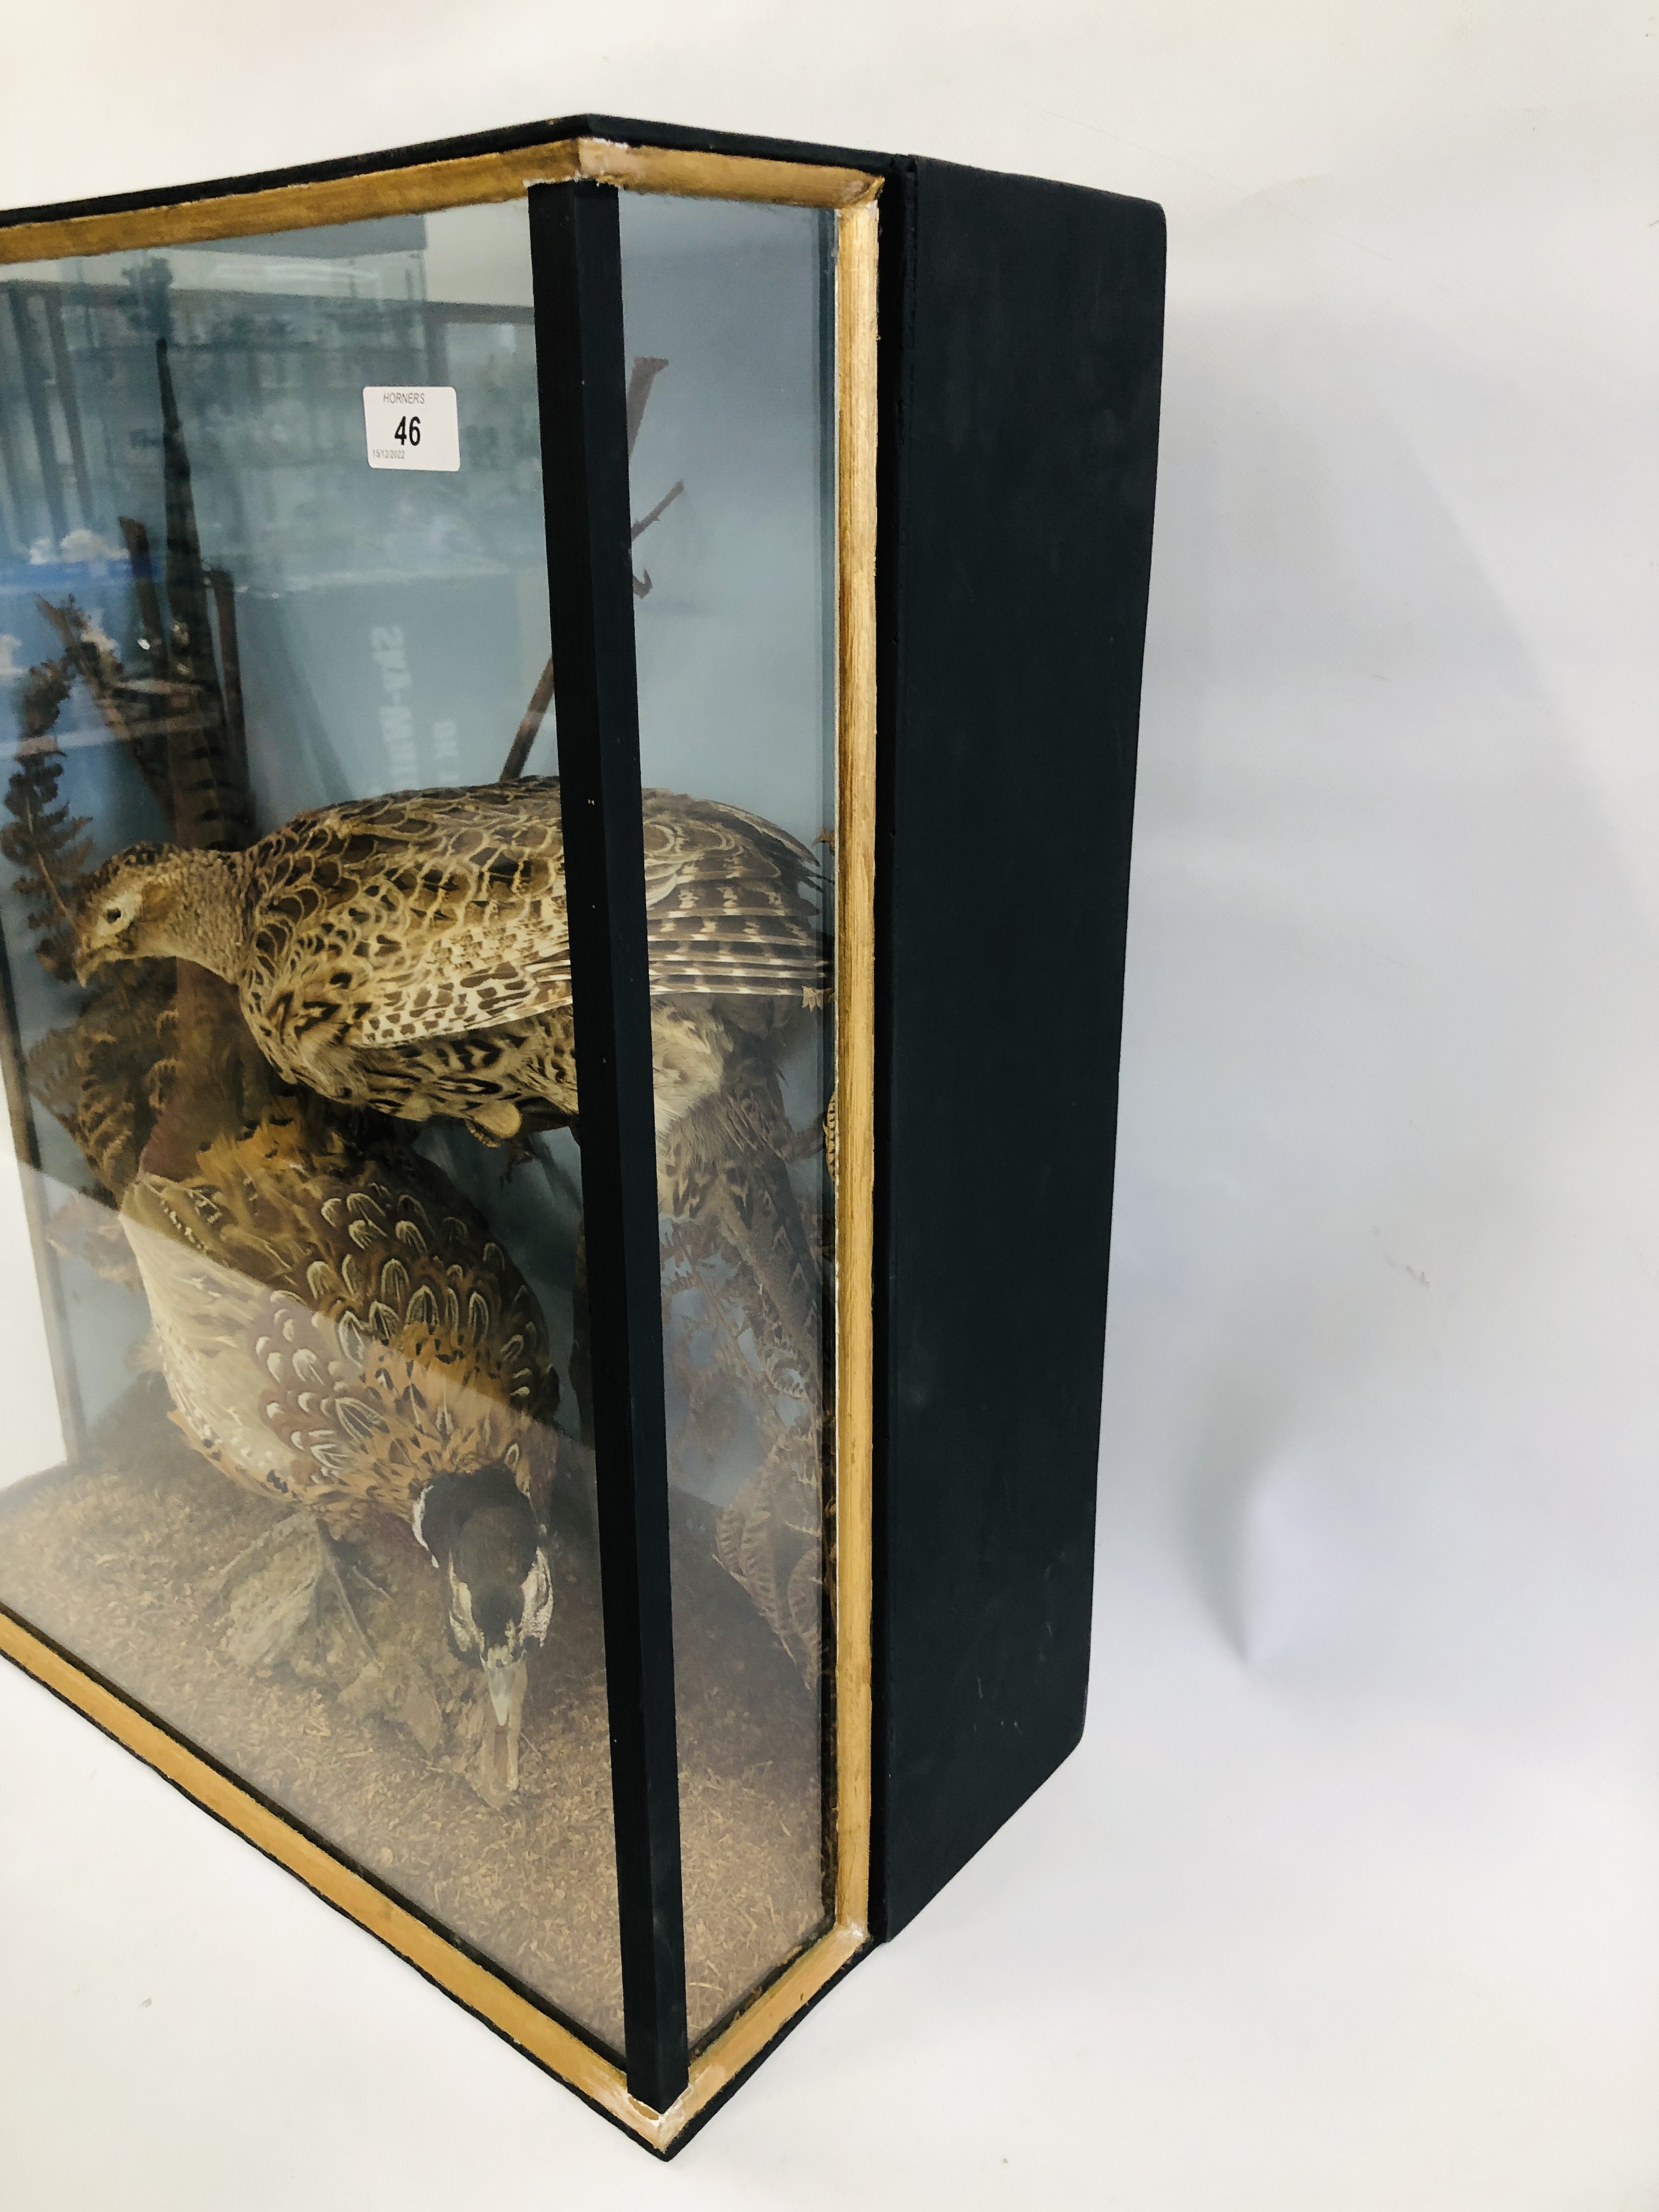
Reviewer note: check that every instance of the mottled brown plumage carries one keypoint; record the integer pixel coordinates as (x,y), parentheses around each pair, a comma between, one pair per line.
(770,1539)
(725,1164)
(104,1074)
(411,954)
(339,1329)
(738,1235)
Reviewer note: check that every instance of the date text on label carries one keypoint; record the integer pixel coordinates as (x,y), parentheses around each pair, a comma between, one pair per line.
(411,426)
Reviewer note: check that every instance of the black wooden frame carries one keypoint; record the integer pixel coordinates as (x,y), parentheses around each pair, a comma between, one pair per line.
(576,265)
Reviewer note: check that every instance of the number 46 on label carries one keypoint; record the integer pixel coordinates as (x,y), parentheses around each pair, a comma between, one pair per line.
(411,426)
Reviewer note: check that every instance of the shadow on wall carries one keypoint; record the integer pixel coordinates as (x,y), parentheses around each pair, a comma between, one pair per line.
(1389,1039)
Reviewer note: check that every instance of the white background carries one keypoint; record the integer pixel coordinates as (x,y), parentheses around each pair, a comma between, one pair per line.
(1351,1898)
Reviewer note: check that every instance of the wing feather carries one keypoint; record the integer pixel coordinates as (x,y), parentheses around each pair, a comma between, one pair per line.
(437,913)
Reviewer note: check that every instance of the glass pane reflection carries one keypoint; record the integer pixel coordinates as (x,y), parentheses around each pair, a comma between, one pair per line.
(728,333)
(309,1354)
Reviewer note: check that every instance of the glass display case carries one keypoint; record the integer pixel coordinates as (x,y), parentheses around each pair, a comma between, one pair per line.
(453,1368)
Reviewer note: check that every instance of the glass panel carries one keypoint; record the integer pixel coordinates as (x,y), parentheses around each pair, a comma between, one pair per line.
(732,408)
(273,549)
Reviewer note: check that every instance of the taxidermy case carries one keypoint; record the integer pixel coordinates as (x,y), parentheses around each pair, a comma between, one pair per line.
(569,709)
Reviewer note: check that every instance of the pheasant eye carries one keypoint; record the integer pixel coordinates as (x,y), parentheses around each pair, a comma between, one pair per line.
(112,914)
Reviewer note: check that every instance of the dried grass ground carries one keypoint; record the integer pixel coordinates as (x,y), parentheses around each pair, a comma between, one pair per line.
(121,1561)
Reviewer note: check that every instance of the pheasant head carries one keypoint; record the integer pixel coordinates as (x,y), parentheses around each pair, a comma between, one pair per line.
(164,902)
(485,1539)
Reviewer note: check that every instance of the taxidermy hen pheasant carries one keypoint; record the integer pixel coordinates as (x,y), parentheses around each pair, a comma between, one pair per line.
(411,954)
(337,1329)
(335,1323)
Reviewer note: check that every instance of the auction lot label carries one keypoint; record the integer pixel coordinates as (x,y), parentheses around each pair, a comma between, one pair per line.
(411,426)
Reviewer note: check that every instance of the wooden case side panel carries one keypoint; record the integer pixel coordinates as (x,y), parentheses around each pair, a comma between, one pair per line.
(1021,342)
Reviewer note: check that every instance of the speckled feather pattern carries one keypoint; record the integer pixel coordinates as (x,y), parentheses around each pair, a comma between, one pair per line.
(339,1328)
(412,953)
(101,1073)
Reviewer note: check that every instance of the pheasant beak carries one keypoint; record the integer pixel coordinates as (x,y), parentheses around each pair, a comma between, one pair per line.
(499,1676)
(87,962)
